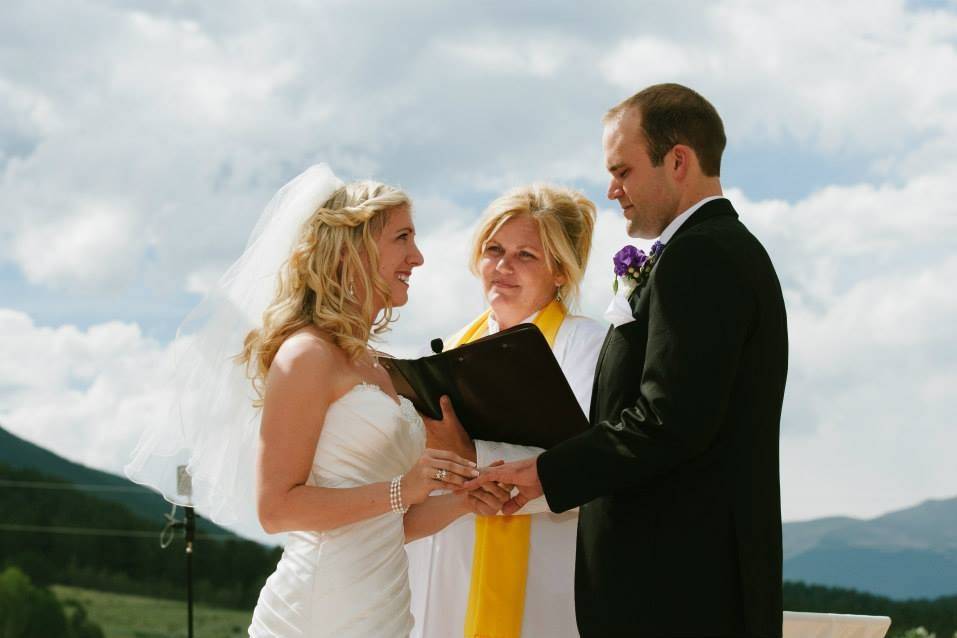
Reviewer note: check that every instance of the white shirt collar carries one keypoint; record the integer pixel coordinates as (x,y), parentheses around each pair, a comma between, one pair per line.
(676,223)
(493,326)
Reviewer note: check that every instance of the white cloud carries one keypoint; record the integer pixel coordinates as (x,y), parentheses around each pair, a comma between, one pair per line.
(95,246)
(85,394)
(644,61)
(872,78)
(191,120)
(537,57)
(199,282)
(868,279)
(25,117)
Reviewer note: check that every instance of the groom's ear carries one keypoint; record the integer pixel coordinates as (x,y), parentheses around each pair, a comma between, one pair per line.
(682,158)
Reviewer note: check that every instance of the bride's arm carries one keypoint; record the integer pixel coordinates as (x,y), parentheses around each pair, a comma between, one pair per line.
(434,514)
(295,405)
(437,512)
(294,409)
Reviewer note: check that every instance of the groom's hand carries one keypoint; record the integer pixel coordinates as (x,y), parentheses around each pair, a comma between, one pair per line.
(522,474)
(448,434)
(488,500)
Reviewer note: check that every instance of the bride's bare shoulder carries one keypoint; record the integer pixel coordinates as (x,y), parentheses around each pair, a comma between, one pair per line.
(308,350)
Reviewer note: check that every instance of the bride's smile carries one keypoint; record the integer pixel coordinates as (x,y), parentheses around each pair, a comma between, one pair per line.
(398,254)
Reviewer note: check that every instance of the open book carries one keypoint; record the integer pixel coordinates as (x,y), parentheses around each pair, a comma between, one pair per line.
(505,387)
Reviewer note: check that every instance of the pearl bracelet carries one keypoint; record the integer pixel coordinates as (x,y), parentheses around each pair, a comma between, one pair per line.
(395,496)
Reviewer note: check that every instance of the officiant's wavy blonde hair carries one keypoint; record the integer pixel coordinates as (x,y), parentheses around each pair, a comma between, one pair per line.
(335,255)
(566,220)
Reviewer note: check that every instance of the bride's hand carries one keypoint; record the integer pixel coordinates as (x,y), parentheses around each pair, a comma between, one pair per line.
(435,470)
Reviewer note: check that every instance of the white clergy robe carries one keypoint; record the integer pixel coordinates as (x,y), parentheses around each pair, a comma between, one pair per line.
(440,566)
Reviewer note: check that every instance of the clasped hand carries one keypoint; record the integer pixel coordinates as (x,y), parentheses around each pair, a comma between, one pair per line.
(522,475)
(440,469)
(448,434)
(489,498)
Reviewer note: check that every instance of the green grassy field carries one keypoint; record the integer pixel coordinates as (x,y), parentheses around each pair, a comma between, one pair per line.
(122,616)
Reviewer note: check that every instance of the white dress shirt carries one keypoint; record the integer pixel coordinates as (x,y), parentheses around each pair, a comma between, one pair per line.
(440,566)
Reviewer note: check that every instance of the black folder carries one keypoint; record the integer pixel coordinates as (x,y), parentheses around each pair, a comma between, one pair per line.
(505,387)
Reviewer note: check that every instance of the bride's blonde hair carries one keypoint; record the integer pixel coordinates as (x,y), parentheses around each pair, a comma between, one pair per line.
(320,282)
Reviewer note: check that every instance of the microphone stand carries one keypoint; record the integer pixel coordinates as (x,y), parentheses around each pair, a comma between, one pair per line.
(190,537)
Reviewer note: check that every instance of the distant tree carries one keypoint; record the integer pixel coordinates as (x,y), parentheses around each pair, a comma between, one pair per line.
(79,624)
(28,611)
(936,617)
(35,565)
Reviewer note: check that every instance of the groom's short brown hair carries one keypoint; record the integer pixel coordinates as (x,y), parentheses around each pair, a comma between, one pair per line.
(674,114)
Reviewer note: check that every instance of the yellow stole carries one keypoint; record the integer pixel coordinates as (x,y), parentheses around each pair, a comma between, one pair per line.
(500,558)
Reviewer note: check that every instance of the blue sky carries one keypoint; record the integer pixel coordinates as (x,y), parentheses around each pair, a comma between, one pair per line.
(140,141)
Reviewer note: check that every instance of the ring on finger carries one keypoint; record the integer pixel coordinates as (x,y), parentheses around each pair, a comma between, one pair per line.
(440,475)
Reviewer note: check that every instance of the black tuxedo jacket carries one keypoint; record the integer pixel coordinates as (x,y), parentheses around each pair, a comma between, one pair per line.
(677,478)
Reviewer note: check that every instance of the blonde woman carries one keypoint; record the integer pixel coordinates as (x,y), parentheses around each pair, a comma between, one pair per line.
(342,463)
(514,576)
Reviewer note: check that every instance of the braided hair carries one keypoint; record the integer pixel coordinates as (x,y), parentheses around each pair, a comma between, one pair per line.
(334,260)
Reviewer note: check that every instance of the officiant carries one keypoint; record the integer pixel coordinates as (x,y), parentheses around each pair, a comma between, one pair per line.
(511,576)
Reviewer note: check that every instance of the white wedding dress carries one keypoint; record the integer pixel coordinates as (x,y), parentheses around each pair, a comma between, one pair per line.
(351,581)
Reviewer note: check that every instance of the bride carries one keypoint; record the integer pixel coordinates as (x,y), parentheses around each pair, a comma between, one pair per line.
(341,463)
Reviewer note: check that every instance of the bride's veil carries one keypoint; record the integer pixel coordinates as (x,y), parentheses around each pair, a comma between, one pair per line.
(213,428)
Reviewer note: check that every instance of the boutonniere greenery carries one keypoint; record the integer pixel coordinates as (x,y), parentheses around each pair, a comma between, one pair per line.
(633,267)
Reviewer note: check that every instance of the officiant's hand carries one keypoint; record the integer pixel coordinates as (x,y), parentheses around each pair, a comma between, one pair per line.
(522,474)
(448,434)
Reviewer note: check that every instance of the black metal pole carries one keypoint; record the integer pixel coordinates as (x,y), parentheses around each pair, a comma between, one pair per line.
(190,535)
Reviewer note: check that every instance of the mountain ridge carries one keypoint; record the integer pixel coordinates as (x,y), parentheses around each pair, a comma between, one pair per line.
(906,553)
(18,453)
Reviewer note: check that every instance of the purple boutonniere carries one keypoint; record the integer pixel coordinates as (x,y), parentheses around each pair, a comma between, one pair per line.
(633,266)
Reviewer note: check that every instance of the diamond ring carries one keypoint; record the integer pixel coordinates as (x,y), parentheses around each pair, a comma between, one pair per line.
(440,475)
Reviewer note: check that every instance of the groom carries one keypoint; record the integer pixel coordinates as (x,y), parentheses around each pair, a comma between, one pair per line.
(677,479)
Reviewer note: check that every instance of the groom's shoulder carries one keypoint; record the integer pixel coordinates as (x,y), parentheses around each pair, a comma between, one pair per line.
(719,232)
(723,248)
(716,217)
(707,239)
(719,249)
